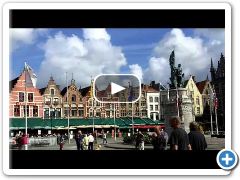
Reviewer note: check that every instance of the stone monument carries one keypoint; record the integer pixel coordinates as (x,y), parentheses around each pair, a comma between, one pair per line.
(175,100)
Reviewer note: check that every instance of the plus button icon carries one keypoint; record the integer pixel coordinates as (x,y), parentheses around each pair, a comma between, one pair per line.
(227,159)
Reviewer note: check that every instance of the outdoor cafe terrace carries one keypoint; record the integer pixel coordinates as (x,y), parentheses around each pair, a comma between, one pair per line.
(121,123)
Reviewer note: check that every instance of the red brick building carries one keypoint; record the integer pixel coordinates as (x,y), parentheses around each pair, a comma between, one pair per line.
(17,95)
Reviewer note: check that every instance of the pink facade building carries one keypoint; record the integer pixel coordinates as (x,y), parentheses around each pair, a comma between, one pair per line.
(34,99)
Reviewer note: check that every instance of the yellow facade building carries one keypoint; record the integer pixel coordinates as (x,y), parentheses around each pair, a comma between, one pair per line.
(195,95)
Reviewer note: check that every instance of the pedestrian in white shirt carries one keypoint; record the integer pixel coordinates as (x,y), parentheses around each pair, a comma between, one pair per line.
(90,142)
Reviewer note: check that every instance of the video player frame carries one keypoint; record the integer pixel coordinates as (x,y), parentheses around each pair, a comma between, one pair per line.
(175,164)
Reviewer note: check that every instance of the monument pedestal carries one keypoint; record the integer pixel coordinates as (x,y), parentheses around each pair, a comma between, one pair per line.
(173,106)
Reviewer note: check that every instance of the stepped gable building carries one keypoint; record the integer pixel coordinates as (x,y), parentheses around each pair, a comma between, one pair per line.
(108,108)
(194,95)
(73,102)
(92,108)
(218,82)
(52,100)
(206,89)
(26,82)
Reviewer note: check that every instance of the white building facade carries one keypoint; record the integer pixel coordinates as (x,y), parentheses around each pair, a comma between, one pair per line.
(153,104)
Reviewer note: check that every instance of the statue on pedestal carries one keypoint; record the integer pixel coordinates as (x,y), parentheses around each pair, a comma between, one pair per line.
(176,73)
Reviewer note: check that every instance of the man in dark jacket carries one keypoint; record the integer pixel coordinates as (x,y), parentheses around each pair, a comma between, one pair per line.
(78,139)
(179,138)
(196,138)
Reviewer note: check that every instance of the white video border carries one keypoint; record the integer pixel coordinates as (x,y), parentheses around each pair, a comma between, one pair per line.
(5,122)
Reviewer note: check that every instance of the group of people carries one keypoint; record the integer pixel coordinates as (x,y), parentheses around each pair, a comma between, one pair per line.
(178,139)
(20,140)
(84,141)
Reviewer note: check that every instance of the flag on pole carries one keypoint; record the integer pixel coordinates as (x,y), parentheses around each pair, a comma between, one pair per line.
(211,102)
(168,94)
(216,103)
(30,76)
(91,89)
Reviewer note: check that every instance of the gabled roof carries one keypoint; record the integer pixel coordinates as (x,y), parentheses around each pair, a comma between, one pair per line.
(42,90)
(85,90)
(201,85)
(12,83)
(149,89)
(64,90)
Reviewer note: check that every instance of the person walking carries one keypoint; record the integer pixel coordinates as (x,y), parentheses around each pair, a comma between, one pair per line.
(159,139)
(179,138)
(60,141)
(85,142)
(140,141)
(90,142)
(104,138)
(78,139)
(196,137)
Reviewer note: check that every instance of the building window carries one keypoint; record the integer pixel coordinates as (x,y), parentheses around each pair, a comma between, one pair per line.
(144,113)
(66,112)
(156,99)
(90,102)
(46,113)
(35,111)
(98,114)
(58,112)
(197,100)
(198,110)
(151,99)
(151,107)
(98,103)
(21,97)
(156,107)
(81,112)
(55,101)
(52,91)
(16,110)
(30,97)
(52,113)
(74,111)
(130,105)
(47,101)
(25,111)
(73,98)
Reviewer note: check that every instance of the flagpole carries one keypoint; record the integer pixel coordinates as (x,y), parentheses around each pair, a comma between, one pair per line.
(132,119)
(93,115)
(92,99)
(160,107)
(177,103)
(26,145)
(115,137)
(68,109)
(211,117)
(216,120)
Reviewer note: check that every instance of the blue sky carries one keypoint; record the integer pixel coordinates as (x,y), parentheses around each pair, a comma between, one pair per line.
(143,52)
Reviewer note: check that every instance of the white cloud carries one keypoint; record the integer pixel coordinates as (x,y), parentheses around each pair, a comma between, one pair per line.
(85,57)
(96,34)
(19,36)
(194,53)
(137,70)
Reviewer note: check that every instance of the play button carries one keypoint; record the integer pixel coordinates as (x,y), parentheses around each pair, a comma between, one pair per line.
(117,88)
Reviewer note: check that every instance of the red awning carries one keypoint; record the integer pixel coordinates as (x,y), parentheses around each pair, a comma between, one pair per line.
(148,126)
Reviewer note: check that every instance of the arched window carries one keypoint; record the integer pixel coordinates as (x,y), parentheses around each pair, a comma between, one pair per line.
(74,98)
